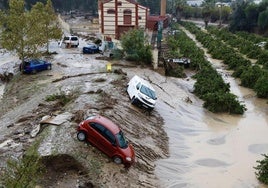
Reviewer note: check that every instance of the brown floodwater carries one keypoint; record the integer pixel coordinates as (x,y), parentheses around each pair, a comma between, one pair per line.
(210,150)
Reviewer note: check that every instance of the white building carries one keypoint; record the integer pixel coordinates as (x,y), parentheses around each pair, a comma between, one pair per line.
(118,16)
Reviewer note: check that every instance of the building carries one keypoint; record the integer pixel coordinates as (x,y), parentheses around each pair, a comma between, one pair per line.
(119,16)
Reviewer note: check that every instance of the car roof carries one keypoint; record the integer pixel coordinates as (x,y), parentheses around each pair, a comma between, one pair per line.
(91,44)
(144,82)
(107,123)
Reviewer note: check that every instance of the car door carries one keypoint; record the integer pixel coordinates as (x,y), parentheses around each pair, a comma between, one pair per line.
(109,143)
(35,65)
(42,65)
(103,139)
(94,133)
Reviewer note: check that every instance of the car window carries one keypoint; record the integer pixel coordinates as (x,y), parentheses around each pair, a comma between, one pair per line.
(147,91)
(74,38)
(121,140)
(109,136)
(104,132)
(99,128)
(35,62)
(42,62)
(66,38)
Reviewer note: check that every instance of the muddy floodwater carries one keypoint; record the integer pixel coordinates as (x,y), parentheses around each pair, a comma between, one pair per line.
(211,150)
(206,150)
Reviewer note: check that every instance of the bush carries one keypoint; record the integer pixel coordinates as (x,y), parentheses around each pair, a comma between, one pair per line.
(177,72)
(250,76)
(223,102)
(23,172)
(261,86)
(135,46)
(61,97)
(262,170)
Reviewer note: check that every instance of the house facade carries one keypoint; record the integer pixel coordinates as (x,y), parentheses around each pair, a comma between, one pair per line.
(119,16)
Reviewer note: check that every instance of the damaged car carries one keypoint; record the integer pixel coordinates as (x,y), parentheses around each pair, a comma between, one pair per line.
(107,137)
(141,93)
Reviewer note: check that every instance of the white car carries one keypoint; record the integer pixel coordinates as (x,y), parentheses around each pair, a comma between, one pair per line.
(71,41)
(141,93)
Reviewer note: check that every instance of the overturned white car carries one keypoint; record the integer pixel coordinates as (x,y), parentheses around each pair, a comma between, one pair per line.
(141,93)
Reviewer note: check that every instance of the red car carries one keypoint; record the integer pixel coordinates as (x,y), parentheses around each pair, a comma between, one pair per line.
(107,137)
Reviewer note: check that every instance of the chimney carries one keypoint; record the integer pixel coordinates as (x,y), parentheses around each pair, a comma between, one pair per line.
(163,7)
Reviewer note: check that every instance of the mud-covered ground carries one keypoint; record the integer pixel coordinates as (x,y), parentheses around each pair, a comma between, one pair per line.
(92,90)
(202,149)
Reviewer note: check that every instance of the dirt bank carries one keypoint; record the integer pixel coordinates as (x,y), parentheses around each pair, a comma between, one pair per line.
(92,91)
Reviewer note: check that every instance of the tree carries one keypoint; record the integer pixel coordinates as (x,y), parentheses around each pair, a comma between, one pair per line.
(134,45)
(26,31)
(208,6)
(261,86)
(238,19)
(262,170)
(48,28)
(262,20)
(15,29)
(250,75)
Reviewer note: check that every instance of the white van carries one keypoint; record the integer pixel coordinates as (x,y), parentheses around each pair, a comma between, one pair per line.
(71,41)
(141,93)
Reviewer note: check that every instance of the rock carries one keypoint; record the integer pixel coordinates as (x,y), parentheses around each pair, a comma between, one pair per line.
(35,131)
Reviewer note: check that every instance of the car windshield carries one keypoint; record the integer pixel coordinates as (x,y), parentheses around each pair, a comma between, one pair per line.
(147,91)
(91,45)
(121,140)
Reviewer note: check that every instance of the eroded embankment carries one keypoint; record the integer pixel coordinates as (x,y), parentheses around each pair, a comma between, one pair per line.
(103,94)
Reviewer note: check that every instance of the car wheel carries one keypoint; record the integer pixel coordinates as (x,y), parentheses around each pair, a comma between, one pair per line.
(117,160)
(133,100)
(49,67)
(34,71)
(81,136)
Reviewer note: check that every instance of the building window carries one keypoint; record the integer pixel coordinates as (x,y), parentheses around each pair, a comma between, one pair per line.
(127,12)
(140,17)
(119,3)
(110,11)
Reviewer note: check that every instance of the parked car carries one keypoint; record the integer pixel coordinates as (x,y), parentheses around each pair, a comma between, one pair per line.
(71,41)
(141,93)
(261,44)
(107,137)
(91,49)
(34,66)
(181,61)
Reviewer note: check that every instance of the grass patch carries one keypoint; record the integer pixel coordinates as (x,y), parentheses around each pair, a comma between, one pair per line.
(24,171)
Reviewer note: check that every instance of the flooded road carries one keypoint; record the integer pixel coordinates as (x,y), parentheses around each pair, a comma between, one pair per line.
(208,150)
(212,150)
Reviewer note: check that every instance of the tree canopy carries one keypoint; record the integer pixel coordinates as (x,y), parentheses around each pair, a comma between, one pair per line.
(135,47)
(26,32)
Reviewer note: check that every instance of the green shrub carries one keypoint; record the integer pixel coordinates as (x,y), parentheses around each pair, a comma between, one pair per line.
(23,172)
(261,86)
(223,102)
(262,170)
(61,97)
(250,76)
(136,47)
(177,72)
(118,54)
